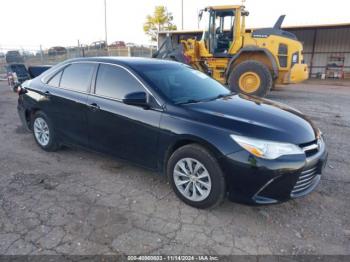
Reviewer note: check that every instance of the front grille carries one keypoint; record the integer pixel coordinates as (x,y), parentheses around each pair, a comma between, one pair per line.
(305,181)
(311,148)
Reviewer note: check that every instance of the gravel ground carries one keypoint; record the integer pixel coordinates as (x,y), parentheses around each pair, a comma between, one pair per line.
(77,202)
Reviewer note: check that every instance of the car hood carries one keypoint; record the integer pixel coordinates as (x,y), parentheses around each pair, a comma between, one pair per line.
(256,117)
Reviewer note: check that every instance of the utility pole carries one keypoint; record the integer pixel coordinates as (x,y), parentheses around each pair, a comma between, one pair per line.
(182,14)
(105,2)
(198,20)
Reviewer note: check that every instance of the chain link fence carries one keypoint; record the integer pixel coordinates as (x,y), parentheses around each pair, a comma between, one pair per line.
(38,56)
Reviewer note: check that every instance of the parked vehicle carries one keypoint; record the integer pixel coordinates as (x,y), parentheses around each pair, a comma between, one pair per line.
(130,45)
(16,73)
(57,50)
(118,44)
(14,56)
(98,45)
(35,71)
(171,118)
(27,54)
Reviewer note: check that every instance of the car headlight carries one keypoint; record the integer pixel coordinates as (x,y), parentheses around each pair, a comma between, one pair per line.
(265,148)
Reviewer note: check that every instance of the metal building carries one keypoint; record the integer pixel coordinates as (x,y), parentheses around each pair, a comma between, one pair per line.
(326,47)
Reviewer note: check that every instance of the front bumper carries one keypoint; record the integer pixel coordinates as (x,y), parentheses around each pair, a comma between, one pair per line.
(297,74)
(253,180)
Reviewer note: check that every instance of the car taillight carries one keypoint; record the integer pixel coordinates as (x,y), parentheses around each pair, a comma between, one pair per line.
(19,90)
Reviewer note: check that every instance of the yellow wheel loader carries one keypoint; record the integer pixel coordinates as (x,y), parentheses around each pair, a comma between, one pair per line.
(249,62)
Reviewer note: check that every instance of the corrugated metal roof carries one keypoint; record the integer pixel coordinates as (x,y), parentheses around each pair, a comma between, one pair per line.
(319,26)
(296,27)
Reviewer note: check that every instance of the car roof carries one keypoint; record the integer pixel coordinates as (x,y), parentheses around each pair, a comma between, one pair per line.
(126,61)
(130,62)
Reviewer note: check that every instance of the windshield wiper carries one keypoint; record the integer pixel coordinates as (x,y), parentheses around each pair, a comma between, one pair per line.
(219,96)
(189,101)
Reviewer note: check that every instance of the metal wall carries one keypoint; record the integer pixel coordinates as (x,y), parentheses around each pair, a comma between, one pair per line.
(321,43)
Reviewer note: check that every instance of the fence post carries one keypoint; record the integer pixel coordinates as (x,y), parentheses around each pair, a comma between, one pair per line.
(41,55)
(78,48)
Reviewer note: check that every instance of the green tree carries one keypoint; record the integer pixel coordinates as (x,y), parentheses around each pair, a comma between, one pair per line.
(161,20)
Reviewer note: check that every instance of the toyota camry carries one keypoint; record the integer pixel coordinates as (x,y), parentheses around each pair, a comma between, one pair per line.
(170,118)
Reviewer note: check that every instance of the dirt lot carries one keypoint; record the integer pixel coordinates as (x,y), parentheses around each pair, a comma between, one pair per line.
(76,202)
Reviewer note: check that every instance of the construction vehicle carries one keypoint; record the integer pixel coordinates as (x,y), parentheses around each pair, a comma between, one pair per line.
(248,61)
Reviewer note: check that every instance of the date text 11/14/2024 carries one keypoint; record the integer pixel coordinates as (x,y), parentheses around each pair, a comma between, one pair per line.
(173,258)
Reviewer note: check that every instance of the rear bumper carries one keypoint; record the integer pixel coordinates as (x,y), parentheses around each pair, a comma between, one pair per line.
(22,116)
(255,181)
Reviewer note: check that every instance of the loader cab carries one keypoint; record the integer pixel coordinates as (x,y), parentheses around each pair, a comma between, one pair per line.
(219,30)
(222,27)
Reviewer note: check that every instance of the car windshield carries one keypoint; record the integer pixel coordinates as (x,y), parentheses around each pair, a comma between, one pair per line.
(181,84)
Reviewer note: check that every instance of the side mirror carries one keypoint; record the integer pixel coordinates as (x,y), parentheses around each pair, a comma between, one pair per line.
(136,99)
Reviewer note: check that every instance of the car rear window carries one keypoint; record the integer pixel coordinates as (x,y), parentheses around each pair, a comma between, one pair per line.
(55,81)
(77,77)
(115,82)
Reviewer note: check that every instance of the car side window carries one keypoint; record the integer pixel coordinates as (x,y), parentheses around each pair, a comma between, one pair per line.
(55,81)
(77,77)
(115,82)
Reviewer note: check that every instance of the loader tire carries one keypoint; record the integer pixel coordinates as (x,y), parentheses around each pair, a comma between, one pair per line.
(251,78)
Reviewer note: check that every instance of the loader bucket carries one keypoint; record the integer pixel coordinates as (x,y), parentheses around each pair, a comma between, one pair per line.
(168,52)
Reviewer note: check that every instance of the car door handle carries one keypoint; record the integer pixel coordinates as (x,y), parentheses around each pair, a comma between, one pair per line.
(94,107)
(47,94)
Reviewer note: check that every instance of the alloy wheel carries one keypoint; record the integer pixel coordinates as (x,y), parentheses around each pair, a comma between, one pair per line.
(192,179)
(41,131)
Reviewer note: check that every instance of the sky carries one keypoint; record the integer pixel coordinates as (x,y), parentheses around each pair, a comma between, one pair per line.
(31,23)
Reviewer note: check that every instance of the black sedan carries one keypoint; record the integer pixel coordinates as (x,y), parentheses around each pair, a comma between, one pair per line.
(171,118)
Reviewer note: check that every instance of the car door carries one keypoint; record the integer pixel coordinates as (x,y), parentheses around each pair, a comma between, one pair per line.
(67,94)
(126,131)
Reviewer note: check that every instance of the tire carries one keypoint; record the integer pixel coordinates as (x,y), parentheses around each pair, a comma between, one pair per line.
(254,75)
(273,87)
(41,122)
(212,195)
